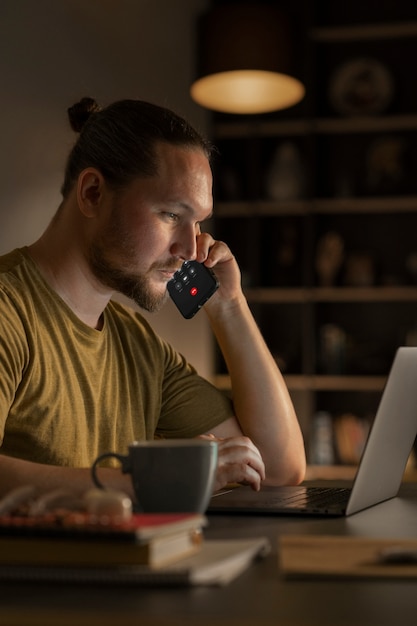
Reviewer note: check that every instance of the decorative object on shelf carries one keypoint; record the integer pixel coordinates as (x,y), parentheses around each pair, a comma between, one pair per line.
(411,267)
(362,86)
(329,258)
(246,60)
(350,433)
(322,440)
(284,265)
(360,270)
(344,183)
(332,349)
(385,165)
(285,175)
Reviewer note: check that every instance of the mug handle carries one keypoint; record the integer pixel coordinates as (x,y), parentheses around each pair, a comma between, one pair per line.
(124,460)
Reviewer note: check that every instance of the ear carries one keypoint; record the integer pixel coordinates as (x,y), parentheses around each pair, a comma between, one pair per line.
(90,190)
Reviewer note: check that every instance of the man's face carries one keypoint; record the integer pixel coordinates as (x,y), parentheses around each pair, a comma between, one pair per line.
(147,230)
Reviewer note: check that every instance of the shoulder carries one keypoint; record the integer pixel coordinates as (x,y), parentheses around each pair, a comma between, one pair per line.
(20,281)
(10,263)
(18,272)
(14,278)
(14,308)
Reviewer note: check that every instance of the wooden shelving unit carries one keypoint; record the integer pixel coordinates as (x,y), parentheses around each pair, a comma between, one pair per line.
(322,383)
(376,222)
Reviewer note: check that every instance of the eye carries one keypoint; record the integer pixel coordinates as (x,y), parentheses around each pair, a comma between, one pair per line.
(171,217)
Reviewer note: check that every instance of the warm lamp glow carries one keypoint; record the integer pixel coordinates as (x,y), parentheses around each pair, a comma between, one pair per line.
(246,60)
(247,91)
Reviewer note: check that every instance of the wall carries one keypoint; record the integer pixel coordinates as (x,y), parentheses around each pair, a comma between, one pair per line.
(54,52)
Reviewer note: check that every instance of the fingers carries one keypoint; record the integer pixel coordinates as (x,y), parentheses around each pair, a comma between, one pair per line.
(204,242)
(210,251)
(208,436)
(239,461)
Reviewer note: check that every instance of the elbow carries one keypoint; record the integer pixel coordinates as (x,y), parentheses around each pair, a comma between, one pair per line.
(297,475)
(290,472)
(298,468)
(296,464)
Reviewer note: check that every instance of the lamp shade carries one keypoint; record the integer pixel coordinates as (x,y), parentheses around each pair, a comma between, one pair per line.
(245,60)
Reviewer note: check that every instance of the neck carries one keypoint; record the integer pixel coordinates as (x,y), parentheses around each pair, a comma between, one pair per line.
(63,264)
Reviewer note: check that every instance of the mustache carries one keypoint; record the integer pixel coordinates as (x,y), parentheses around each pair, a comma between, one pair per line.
(169,265)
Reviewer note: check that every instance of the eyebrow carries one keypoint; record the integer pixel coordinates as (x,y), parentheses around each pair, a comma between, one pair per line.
(190,209)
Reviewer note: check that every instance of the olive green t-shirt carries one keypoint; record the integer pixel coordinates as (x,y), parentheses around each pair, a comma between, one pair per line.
(69,392)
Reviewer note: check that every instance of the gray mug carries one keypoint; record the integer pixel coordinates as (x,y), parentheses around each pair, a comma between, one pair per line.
(168,475)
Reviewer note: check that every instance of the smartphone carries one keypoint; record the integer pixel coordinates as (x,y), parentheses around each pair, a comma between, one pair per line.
(191,287)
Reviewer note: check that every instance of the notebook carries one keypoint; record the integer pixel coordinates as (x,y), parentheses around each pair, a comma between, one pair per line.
(380,470)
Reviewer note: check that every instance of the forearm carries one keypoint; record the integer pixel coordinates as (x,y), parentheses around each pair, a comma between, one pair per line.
(261,400)
(17,472)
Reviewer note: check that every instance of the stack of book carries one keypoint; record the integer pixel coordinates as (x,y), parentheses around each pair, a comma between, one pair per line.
(80,539)
(144,549)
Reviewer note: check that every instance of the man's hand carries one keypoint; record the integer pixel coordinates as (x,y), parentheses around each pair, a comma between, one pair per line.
(239,461)
(217,255)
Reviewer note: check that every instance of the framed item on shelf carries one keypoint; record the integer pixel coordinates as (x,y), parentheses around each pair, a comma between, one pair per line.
(361,86)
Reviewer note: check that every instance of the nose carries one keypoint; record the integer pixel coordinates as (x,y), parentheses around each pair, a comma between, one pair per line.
(185,245)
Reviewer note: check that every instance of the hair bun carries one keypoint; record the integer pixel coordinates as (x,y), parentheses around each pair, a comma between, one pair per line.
(80,112)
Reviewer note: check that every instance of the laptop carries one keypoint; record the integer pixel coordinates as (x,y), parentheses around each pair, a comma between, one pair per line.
(380,470)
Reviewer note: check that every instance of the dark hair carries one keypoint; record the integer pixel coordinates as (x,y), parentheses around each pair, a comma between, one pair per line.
(119,139)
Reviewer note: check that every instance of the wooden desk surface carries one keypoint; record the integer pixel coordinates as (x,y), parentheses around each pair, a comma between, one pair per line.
(259,597)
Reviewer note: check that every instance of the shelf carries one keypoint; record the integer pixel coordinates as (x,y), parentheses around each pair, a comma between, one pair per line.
(262,128)
(386,204)
(340,383)
(317,125)
(262,208)
(364,294)
(364,124)
(330,472)
(316,206)
(278,295)
(348,472)
(331,294)
(321,383)
(364,32)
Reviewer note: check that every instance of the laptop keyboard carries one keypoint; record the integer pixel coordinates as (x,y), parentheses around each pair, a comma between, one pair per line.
(304,500)
(312,498)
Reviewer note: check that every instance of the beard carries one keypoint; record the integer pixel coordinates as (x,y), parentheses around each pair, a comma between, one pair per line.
(135,286)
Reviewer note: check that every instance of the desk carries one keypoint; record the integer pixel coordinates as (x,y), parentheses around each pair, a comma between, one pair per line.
(259,597)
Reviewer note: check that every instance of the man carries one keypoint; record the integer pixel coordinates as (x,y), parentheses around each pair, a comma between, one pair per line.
(81,374)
